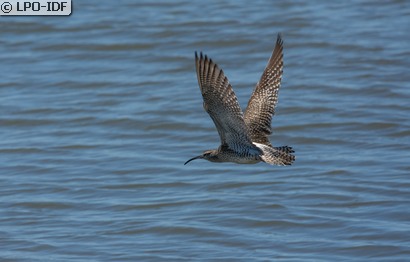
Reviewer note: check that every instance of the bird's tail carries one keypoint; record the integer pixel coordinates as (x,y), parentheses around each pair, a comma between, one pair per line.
(281,156)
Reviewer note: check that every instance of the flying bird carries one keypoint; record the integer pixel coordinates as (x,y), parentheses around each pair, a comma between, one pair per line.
(244,136)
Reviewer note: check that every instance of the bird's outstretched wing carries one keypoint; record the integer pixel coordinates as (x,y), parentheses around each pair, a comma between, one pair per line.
(221,104)
(261,105)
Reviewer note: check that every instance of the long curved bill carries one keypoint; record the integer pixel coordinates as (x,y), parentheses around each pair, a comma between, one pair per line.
(192,159)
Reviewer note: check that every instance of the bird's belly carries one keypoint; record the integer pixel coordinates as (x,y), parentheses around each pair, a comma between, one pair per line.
(250,160)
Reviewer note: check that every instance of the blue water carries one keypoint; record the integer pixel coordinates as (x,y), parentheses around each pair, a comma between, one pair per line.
(101,109)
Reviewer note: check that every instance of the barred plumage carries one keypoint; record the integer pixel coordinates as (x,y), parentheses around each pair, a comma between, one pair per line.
(244,137)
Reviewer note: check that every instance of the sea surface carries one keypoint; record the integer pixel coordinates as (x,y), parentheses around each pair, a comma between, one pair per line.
(100,110)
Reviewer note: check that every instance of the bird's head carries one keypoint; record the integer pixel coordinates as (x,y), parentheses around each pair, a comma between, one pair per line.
(210,155)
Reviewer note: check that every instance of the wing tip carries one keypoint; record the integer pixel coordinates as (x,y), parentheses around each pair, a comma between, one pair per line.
(202,57)
(279,40)
(198,57)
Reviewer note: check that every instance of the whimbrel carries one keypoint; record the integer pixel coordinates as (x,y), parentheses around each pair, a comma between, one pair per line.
(244,137)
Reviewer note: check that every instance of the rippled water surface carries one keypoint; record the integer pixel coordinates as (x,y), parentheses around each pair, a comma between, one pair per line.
(99,111)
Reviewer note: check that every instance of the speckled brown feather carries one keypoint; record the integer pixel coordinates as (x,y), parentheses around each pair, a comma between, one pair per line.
(221,104)
(261,105)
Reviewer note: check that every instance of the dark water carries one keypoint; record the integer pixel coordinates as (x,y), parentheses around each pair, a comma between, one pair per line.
(99,111)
